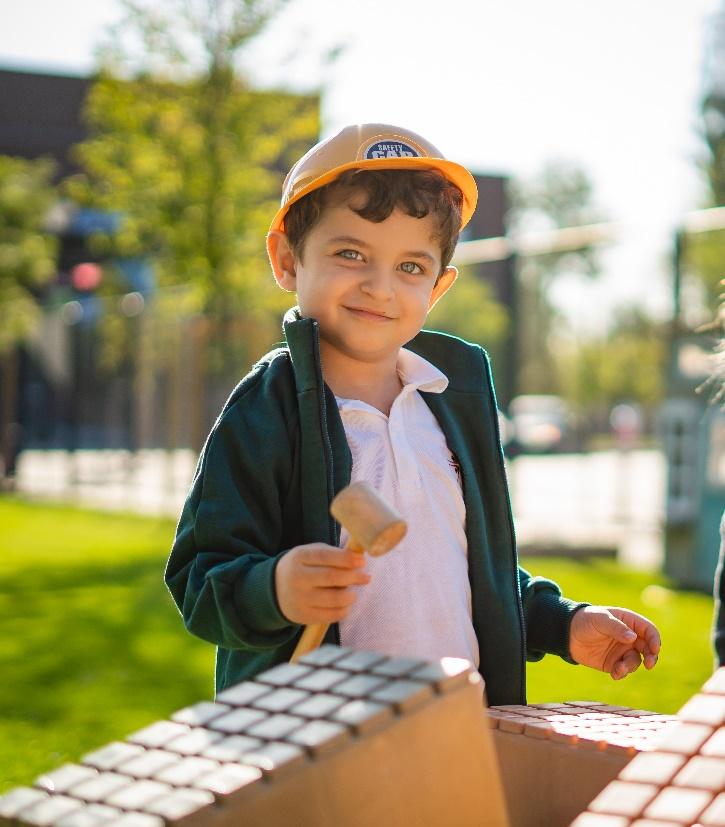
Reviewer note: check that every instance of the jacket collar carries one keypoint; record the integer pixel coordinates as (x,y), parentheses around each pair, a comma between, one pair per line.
(463,364)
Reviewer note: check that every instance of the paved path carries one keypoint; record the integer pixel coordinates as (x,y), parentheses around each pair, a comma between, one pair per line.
(607,499)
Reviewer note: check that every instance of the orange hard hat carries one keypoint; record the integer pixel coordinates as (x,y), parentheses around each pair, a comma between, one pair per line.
(370,146)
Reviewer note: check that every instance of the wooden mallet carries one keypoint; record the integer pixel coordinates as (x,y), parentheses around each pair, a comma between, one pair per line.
(373,527)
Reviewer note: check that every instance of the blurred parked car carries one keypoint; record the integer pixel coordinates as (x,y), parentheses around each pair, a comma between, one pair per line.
(541,423)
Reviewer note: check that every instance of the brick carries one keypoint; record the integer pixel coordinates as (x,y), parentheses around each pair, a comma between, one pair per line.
(228,781)
(99,788)
(404,695)
(704,709)
(681,804)
(538,730)
(648,822)
(599,820)
(91,815)
(624,798)
(564,736)
(653,768)
(62,779)
(150,762)
(276,727)
(181,805)
(397,667)
(138,795)
(46,812)
(195,742)
(359,661)
(137,820)
(110,756)
(280,700)
(318,706)
(320,736)
(362,715)
(232,748)
(19,799)
(325,655)
(716,684)
(445,674)
(684,738)
(276,758)
(511,724)
(702,773)
(358,686)
(187,770)
(238,721)
(158,734)
(321,680)
(715,813)
(200,714)
(715,746)
(284,674)
(588,704)
(242,693)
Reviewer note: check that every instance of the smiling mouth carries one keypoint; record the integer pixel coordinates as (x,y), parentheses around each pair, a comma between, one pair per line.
(373,315)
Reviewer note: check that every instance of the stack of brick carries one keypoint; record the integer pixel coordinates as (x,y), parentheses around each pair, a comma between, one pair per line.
(341,737)
(681,782)
(556,757)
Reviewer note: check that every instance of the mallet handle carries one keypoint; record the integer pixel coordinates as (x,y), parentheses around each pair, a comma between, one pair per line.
(314,634)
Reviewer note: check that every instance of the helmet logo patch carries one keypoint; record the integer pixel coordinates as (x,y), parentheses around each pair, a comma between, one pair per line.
(390,149)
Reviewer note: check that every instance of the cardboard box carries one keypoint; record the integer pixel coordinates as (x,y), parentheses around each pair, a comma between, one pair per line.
(554,758)
(340,738)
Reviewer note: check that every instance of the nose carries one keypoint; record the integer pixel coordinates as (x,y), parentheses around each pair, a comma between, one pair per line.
(378,284)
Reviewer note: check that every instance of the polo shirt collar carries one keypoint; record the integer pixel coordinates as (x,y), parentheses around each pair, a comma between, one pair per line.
(417,373)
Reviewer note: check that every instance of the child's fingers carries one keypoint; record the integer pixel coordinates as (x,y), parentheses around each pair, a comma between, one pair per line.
(628,663)
(337,578)
(342,558)
(332,598)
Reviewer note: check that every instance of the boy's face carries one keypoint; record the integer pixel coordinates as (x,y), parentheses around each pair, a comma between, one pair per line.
(369,285)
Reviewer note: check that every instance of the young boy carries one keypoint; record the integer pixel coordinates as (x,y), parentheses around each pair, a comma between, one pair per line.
(367,228)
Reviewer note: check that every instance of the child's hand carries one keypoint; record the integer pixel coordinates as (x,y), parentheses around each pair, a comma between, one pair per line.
(613,640)
(313,582)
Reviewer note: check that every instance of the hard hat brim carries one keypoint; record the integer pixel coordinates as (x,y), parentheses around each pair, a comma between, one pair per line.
(454,172)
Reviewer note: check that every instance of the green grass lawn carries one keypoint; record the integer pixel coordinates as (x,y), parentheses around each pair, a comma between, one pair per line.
(92,648)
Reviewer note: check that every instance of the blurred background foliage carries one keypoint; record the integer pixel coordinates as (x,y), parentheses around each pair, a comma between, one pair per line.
(27,249)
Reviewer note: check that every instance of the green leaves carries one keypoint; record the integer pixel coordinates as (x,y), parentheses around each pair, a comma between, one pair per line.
(27,250)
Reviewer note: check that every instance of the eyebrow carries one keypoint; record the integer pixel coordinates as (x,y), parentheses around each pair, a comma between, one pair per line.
(357,242)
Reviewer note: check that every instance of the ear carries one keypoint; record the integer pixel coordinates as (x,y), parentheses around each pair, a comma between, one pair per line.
(443,285)
(282,260)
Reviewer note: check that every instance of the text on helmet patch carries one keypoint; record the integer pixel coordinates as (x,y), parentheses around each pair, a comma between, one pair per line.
(390,149)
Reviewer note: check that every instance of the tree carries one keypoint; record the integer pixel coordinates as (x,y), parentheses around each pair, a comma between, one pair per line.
(27,250)
(704,253)
(190,159)
(27,262)
(186,154)
(559,196)
(470,311)
(627,364)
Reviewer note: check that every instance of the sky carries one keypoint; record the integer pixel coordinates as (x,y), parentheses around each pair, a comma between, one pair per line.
(502,87)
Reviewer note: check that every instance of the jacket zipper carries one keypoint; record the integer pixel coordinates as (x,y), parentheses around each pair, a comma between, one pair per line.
(332,525)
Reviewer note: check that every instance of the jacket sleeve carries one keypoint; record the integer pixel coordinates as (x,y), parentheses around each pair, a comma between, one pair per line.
(547,617)
(221,568)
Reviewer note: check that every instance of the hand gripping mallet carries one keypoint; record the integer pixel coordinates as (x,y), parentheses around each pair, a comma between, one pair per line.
(373,527)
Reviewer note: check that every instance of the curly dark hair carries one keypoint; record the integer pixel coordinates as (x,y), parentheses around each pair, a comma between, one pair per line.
(417,192)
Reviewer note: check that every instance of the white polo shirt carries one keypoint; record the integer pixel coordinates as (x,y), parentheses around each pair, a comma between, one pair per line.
(418,602)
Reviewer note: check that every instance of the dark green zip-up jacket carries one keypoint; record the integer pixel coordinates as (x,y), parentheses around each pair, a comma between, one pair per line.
(272,463)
